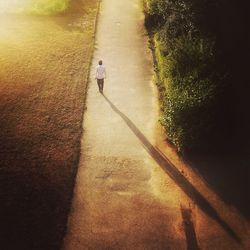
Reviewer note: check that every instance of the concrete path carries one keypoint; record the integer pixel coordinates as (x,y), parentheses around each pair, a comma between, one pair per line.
(123,199)
(118,201)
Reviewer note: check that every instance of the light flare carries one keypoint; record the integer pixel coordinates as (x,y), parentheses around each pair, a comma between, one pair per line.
(13,6)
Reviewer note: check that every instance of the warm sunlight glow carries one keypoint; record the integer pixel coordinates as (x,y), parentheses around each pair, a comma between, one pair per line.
(34,7)
(12,5)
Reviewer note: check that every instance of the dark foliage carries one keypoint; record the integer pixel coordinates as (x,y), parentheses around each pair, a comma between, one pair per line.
(201,48)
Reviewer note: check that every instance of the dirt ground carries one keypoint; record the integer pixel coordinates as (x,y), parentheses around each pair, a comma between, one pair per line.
(44,67)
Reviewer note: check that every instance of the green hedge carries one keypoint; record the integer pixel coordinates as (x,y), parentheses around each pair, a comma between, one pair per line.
(188,75)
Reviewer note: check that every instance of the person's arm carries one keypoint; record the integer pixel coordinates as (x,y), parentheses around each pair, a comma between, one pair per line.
(105,74)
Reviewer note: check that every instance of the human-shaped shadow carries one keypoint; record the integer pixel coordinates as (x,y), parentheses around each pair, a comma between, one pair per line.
(192,243)
(176,176)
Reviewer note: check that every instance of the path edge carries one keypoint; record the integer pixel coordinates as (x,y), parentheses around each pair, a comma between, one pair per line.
(77,160)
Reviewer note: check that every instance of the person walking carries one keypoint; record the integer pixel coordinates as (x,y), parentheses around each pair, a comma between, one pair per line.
(100,75)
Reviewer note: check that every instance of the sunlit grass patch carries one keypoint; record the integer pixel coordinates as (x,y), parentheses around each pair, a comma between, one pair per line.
(47,7)
(36,7)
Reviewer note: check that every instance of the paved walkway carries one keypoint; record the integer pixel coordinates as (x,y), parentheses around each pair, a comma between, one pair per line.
(123,199)
(118,201)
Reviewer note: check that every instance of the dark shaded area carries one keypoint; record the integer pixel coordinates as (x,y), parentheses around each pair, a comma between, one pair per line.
(226,23)
(38,163)
(231,28)
(176,176)
(228,174)
(36,187)
(189,229)
(33,212)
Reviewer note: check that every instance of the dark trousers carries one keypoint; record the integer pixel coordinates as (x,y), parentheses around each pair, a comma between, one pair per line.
(100,83)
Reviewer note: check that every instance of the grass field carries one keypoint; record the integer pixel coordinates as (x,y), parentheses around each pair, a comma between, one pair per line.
(44,67)
(35,7)
(47,7)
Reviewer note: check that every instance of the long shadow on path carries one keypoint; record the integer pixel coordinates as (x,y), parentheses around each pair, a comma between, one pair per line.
(176,176)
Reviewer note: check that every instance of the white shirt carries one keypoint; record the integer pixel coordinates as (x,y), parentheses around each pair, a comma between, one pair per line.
(100,72)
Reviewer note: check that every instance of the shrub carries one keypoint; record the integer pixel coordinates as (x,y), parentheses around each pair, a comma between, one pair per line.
(190,86)
(47,7)
(189,77)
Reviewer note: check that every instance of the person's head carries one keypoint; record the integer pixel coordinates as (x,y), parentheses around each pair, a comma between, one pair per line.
(100,62)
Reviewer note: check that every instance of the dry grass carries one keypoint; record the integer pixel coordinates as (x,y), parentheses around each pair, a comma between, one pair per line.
(44,67)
